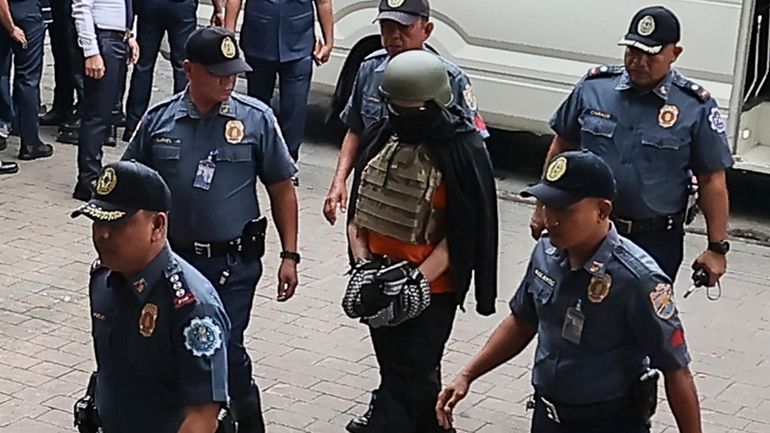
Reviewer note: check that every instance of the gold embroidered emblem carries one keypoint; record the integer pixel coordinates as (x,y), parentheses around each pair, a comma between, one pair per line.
(107,181)
(228,47)
(556,169)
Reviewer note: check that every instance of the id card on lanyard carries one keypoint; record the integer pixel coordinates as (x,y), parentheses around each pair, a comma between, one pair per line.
(204,176)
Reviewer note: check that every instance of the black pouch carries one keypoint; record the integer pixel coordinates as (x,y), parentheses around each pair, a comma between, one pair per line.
(645,394)
(253,239)
(85,413)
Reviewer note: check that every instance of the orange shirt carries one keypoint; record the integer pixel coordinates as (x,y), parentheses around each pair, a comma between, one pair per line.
(398,250)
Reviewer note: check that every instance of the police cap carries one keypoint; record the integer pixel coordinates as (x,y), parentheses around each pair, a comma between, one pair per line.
(123,188)
(572,176)
(216,49)
(404,12)
(651,29)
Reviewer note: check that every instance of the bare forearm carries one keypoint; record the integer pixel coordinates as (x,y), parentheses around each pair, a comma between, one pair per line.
(232,9)
(326,19)
(358,241)
(436,263)
(683,400)
(5,16)
(558,145)
(715,203)
(347,157)
(283,201)
(508,340)
(201,419)
(219,5)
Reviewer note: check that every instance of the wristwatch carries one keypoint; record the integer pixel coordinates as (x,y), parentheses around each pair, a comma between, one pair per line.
(291,255)
(721,247)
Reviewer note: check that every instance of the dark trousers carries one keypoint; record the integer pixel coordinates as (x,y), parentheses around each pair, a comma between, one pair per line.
(62,38)
(156,18)
(409,356)
(294,85)
(7,114)
(28,67)
(627,424)
(666,247)
(237,295)
(98,104)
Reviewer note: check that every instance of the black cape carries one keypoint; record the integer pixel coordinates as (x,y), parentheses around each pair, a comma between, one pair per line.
(472,220)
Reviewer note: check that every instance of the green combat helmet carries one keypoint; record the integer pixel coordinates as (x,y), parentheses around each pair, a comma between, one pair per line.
(416,75)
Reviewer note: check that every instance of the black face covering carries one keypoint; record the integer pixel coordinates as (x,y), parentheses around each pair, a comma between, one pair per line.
(415,124)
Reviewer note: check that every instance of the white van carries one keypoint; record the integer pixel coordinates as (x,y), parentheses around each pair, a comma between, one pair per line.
(524,56)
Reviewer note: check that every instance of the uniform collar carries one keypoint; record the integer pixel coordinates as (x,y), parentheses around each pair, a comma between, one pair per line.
(597,265)
(662,90)
(187,108)
(142,283)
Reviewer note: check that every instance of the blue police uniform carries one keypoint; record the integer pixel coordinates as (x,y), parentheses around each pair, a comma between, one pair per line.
(278,37)
(628,314)
(365,105)
(154,19)
(241,140)
(160,345)
(653,141)
(28,68)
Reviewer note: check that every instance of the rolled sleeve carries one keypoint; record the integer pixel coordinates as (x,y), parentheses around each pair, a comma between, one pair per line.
(710,149)
(565,120)
(276,164)
(201,347)
(523,304)
(351,115)
(654,321)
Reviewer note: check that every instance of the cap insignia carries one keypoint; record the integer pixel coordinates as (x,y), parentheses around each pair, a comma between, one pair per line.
(107,181)
(646,26)
(228,47)
(556,169)
(395,3)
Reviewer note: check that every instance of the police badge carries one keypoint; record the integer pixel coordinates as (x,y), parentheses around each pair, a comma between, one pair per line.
(599,288)
(147,319)
(668,115)
(234,131)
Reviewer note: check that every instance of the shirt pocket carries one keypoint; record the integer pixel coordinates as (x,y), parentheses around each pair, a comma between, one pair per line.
(540,291)
(597,133)
(372,109)
(242,152)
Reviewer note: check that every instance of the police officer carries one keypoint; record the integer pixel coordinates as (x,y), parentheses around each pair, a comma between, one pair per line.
(22,36)
(404,25)
(600,306)
(652,126)
(154,19)
(210,145)
(278,38)
(103,31)
(160,331)
(423,197)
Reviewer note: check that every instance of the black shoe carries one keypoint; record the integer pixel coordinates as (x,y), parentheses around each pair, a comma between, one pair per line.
(68,132)
(54,117)
(111,140)
(3,143)
(360,423)
(42,150)
(81,193)
(8,167)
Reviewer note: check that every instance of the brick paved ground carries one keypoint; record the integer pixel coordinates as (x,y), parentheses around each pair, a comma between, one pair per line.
(315,366)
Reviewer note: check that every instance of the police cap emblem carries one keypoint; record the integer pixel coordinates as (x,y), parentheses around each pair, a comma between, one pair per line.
(395,3)
(106,182)
(202,337)
(646,26)
(556,169)
(228,47)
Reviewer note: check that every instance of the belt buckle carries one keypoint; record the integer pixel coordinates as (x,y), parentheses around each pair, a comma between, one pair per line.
(551,411)
(202,249)
(623,226)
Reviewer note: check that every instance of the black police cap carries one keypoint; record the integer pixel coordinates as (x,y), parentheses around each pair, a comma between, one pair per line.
(404,12)
(571,177)
(123,188)
(651,29)
(217,50)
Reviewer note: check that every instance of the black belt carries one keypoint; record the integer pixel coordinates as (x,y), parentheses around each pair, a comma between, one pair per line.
(657,224)
(209,249)
(561,413)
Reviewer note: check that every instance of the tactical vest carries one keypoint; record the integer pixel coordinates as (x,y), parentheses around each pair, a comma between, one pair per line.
(395,195)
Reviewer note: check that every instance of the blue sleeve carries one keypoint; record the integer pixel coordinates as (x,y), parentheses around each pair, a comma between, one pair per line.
(523,304)
(351,115)
(275,163)
(654,320)
(140,143)
(565,121)
(465,98)
(201,347)
(710,148)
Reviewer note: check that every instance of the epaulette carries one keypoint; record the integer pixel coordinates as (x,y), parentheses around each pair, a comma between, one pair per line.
(182,294)
(630,262)
(693,89)
(96,266)
(164,103)
(250,101)
(604,71)
(379,53)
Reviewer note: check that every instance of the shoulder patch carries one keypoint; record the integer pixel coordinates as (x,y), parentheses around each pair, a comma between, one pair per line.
(202,337)
(377,54)
(693,89)
(604,71)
